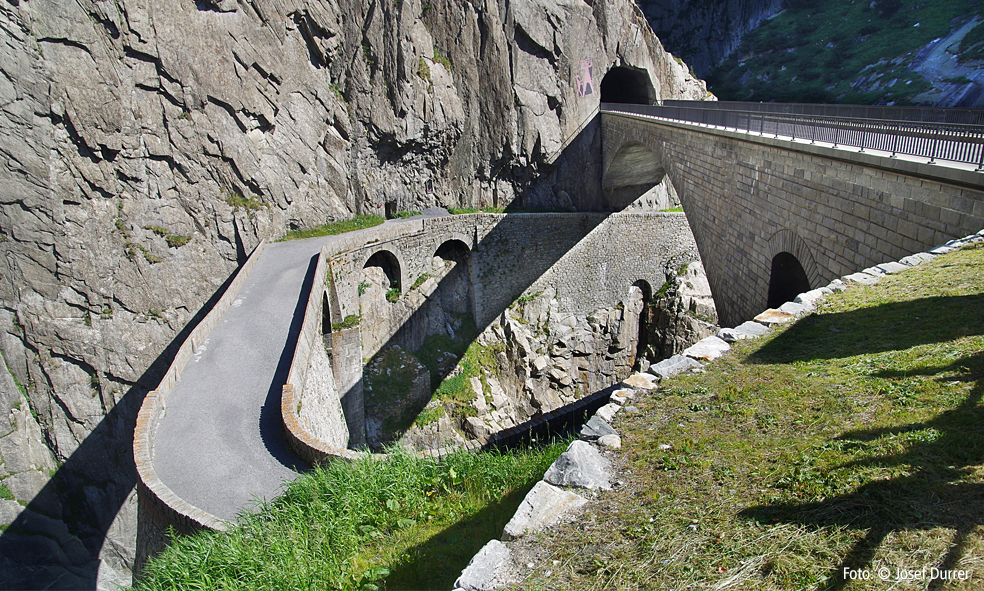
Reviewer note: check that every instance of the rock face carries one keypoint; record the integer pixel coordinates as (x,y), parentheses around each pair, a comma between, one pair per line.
(704,33)
(148,147)
(682,314)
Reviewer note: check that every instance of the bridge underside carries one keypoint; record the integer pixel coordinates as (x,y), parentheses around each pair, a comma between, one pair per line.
(752,203)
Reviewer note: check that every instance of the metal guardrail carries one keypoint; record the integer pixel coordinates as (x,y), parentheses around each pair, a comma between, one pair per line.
(844,126)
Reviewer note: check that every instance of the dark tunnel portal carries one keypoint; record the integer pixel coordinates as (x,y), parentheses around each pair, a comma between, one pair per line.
(623,85)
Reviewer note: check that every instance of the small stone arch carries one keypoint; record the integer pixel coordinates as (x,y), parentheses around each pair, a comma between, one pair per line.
(792,268)
(623,84)
(392,265)
(456,292)
(634,169)
(325,314)
(468,241)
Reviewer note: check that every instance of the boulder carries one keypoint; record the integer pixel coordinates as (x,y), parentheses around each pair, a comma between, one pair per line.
(707,349)
(772,317)
(485,570)
(596,427)
(641,381)
(543,506)
(673,366)
(581,466)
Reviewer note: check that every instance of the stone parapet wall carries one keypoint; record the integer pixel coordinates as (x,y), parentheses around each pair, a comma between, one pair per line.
(159,508)
(750,198)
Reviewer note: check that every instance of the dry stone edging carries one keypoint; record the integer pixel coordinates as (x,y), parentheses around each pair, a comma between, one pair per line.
(597,428)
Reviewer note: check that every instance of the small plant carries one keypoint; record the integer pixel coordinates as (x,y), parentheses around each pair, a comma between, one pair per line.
(94,381)
(162,232)
(350,321)
(176,241)
(393,294)
(429,416)
(120,226)
(150,258)
(420,281)
(237,200)
(87,318)
(363,287)
(5,493)
(423,70)
(156,314)
(440,59)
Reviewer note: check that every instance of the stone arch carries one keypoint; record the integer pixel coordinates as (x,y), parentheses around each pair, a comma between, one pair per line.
(468,241)
(633,170)
(391,264)
(623,84)
(325,314)
(456,289)
(791,267)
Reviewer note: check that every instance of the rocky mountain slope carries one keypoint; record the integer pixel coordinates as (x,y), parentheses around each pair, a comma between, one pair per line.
(149,146)
(903,52)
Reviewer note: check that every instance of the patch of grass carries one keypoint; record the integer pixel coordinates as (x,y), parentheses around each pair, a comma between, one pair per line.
(359,222)
(5,493)
(402,215)
(148,256)
(423,70)
(17,383)
(363,286)
(162,232)
(441,59)
(176,241)
(672,210)
(237,200)
(429,416)
(402,523)
(350,321)
(420,281)
(393,294)
(854,437)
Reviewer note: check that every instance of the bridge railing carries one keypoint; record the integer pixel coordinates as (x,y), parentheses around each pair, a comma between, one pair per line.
(935,140)
(930,114)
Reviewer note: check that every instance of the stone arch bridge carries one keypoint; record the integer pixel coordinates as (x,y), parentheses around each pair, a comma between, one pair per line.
(758,204)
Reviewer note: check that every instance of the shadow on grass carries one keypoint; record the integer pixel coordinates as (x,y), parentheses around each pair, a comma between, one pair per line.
(930,496)
(892,326)
(437,563)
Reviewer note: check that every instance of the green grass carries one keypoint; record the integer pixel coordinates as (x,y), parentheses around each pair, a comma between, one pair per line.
(236,200)
(403,523)
(176,241)
(5,493)
(420,280)
(854,438)
(350,321)
(814,51)
(402,215)
(462,210)
(359,222)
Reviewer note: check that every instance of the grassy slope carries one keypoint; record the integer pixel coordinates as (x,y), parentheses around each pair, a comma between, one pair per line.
(813,51)
(854,438)
(404,523)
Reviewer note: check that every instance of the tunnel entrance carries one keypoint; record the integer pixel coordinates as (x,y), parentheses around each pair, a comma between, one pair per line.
(787,280)
(627,85)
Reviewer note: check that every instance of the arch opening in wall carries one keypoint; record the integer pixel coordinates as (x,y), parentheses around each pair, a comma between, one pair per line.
(382,267)
(787,280)
(325,315)
(452,266)
(627,85)
(644,346)
(634,171)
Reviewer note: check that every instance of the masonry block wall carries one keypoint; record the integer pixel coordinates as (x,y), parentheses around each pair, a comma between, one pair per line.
(749,200)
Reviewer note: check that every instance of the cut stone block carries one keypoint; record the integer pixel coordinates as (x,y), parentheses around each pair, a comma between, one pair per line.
(892,267)
(610,441)
(595,428)
(772,317)
(836,285)
(485,571)
(608,412)
(673,365)
(862,278)
(641,381)
(582,466)
(914,259)
(795,309)
(543,506)
(707,349)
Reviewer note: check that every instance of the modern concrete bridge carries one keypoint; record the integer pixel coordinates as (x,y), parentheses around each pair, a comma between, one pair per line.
(777,209)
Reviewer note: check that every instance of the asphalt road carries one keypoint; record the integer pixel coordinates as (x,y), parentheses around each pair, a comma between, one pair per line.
(220,445)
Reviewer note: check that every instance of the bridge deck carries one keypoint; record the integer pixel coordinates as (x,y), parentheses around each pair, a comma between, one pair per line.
(939,168)
(220,444)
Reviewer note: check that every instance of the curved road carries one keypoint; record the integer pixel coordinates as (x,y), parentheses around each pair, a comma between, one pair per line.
(220,444)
